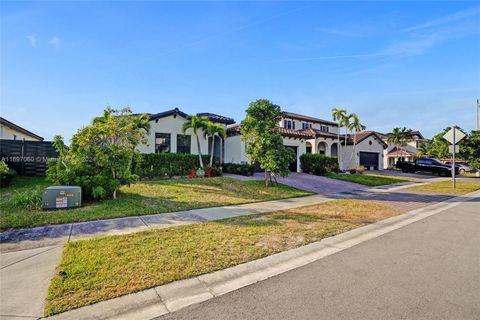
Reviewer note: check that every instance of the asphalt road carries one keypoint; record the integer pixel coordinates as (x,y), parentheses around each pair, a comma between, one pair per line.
(427,270)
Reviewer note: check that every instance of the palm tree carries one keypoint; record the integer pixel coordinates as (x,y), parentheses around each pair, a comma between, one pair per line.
(356,127)
(399,137)
(339,115)
(196,123)
(212,130)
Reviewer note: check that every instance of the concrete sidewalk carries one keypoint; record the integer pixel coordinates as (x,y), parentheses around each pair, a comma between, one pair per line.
(168,298)
(52,235)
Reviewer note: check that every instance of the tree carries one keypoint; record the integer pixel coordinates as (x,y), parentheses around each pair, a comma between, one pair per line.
(196,123)
(263,141)
(470,149)
(356,127)
(99,158)
(212,130)
(339,115)
(400,137)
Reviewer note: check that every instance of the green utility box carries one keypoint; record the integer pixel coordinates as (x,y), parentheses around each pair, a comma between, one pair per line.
(61,197)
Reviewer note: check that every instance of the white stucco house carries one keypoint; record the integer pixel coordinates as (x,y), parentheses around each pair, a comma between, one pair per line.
(301,133)
(166,134)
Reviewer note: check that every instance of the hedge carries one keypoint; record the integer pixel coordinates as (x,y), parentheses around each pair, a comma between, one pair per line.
(152,165)
(318,164)
(243,169)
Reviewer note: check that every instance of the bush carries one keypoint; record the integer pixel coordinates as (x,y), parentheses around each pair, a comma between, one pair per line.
(318,164)
(352,170)
(6,174)
(360,169)
(216,171)
(154,165)
(243,169)
(28,199)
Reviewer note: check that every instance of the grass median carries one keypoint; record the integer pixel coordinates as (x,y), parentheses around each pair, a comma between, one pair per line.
(446,187)
(371,180)
(104,268)
(145,197)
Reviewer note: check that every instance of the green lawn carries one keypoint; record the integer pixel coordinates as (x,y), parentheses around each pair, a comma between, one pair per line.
(141,198)
(447,187)
(98,269)
(368,179)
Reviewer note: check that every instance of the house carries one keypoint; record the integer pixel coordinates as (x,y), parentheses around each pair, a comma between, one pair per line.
(11,131)
(303,134)
(393,153)
(166,134)
(368,150)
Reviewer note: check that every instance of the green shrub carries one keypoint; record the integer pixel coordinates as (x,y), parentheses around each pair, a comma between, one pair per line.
(318,164)
(216,171)
(243,169)
(154,165)
(352,170)
(6,174)
(28,199)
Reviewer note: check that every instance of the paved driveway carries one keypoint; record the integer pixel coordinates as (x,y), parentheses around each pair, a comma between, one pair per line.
(308,182)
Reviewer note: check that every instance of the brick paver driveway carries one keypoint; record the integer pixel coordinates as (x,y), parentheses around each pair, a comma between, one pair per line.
(308,182)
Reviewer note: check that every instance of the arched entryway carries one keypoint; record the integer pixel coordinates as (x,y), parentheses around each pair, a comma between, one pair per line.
(322,147)
(334,150)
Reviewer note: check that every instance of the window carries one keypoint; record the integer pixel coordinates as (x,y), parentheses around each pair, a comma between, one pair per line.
(183,143)
(323,128)
(293,125)
(162,142)
(14,137)
(306,125)
(288,124)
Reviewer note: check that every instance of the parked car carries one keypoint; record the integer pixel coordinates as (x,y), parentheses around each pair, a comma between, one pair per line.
(428,165)
(462,166)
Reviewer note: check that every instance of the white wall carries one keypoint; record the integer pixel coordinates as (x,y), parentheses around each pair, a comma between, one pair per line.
(350,161)
(172,125)
(235,150)
(9,133)
(301,148)
(315,125)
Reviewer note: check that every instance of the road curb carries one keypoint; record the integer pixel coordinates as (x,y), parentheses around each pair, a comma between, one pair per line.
(174,296)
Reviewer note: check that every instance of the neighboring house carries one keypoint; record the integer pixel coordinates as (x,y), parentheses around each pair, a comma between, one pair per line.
(166,134)
(369,151)
(408,153)
(11,131)
(303,134)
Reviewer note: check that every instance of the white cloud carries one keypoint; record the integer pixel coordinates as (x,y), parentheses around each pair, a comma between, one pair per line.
(33,40)
(459,15)
(54,41)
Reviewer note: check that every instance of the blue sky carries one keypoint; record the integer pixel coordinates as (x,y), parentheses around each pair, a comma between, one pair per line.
(414,64)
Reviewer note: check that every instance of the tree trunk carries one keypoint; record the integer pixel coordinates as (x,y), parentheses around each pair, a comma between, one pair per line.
(266,178)
(211,151)
(199,152)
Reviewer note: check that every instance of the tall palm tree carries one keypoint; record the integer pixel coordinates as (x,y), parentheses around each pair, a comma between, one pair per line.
(196,123)
(212,130)
(339,115)
(399,137)
(355,127)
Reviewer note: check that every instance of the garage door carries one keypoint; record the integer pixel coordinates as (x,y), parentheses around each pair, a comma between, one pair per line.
(369,160)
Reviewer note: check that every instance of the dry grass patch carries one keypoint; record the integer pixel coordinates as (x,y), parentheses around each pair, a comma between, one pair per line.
(103,268)
(446,187)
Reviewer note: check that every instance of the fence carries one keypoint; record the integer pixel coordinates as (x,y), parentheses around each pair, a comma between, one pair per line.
(27,157)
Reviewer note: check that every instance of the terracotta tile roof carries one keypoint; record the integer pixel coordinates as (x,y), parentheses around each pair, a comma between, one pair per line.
(396,152)
(363,135)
